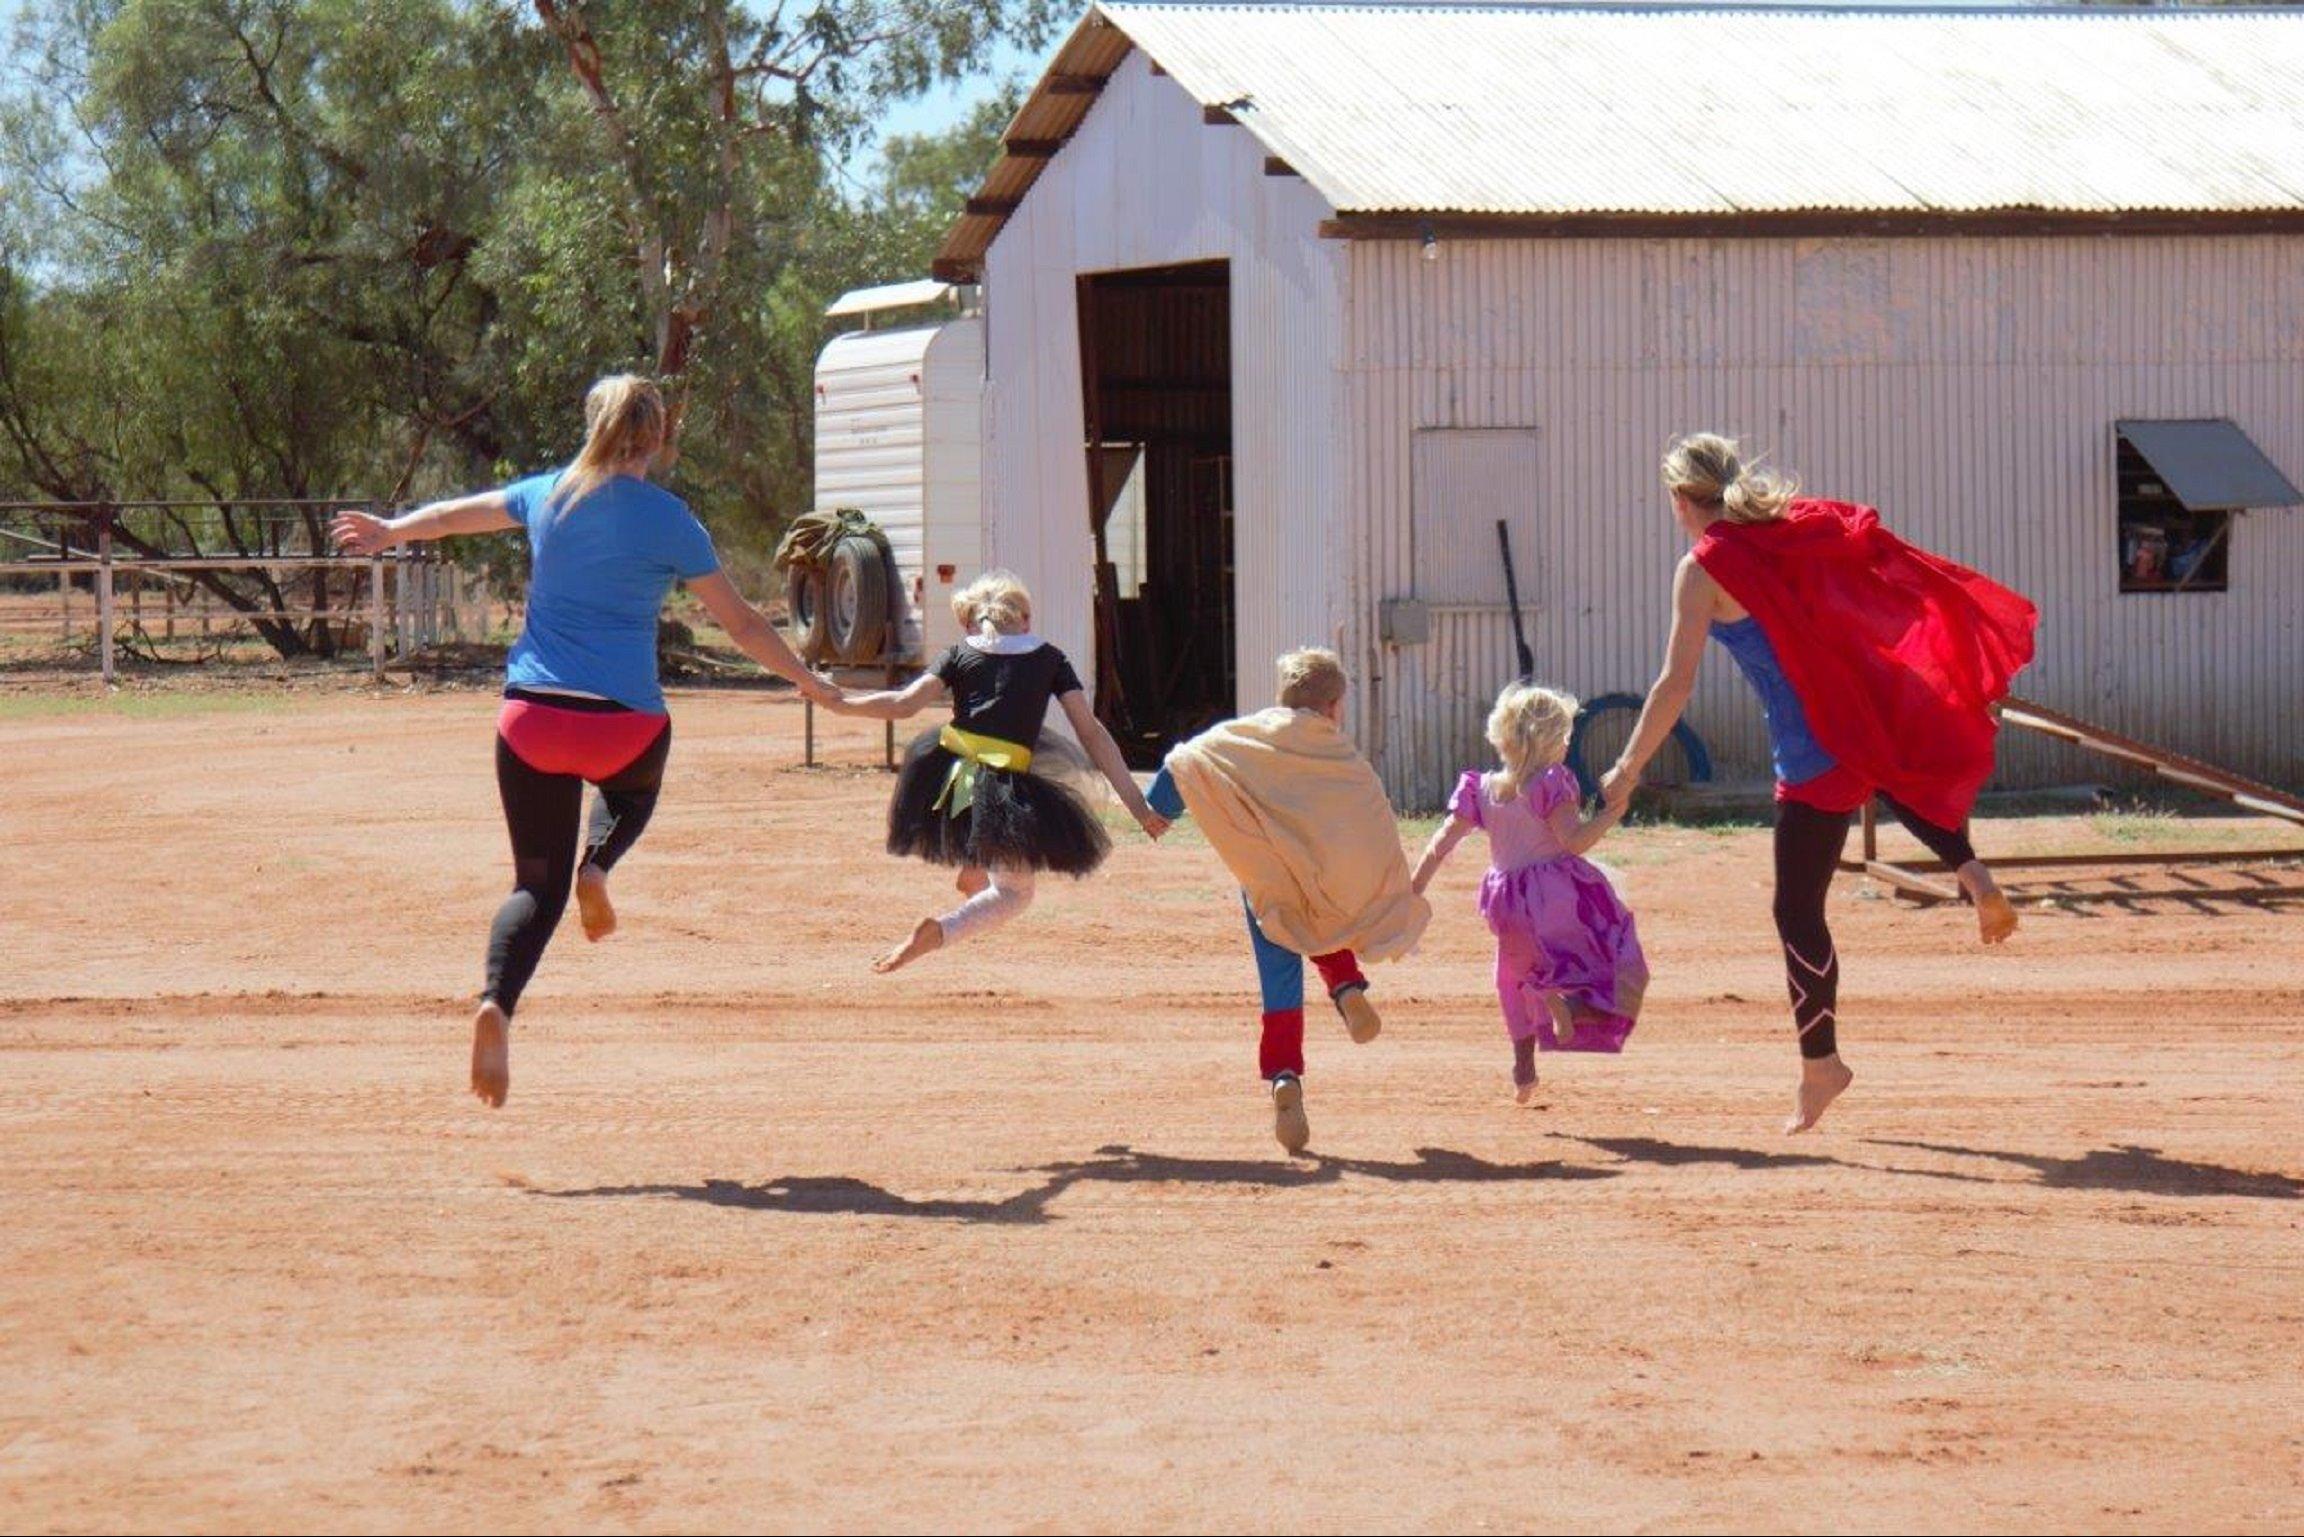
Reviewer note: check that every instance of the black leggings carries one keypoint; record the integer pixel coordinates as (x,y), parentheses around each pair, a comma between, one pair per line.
(1808,843)
(544,813)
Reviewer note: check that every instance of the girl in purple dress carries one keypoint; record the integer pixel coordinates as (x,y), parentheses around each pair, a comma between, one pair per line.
(1568,965)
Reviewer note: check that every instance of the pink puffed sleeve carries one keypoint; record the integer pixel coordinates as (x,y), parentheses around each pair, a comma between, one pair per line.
(1465,803)
(1557,788)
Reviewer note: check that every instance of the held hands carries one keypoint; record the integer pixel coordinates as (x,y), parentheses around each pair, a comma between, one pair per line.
(1616,787)
(814,685)
(363,533)
(1153,823)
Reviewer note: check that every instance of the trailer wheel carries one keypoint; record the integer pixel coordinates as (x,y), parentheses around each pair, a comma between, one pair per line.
(858,610)
(811,617)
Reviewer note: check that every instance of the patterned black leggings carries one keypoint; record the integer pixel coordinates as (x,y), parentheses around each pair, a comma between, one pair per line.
(1808,843)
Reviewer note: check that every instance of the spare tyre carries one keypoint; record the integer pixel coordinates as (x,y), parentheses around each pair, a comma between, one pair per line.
(811,620)
(858,608)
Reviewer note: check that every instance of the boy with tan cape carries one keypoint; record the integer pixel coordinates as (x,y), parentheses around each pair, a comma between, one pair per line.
(1301,821)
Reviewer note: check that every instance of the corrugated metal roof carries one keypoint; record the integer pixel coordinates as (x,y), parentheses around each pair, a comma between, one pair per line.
(2211,464)
(1487,109)
(1534,110)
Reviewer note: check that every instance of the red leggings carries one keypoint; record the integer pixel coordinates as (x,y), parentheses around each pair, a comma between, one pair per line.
(1282,1049)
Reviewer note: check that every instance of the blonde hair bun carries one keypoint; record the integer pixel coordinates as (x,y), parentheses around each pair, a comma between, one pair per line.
(1709,470)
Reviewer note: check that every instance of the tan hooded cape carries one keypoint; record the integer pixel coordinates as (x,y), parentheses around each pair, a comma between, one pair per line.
(1300,819)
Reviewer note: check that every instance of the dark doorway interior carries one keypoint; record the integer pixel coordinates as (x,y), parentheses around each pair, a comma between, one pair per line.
(1156,366)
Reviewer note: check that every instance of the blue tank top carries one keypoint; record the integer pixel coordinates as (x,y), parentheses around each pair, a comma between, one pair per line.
(1798,757)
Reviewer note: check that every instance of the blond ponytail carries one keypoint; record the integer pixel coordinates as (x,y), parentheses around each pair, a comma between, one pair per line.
(1705,468)
(623,420)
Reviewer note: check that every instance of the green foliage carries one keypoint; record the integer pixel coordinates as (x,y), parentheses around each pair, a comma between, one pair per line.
(379,248)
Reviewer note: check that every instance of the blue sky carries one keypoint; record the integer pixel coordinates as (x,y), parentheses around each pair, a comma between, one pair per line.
(941,108)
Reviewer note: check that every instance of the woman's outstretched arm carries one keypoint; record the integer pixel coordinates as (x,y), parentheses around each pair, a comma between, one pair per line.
(1694,599)
(363,533)
(756,637)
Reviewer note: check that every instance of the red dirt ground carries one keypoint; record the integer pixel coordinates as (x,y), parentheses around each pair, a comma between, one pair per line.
(764,1241)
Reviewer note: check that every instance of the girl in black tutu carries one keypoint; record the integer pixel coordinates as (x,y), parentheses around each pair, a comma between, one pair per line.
(979,793)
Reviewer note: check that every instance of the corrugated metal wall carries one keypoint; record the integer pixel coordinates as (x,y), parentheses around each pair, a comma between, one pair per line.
(1966,387)
(1144,182)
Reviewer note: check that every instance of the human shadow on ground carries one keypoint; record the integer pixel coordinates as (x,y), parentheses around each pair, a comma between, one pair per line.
(2143,1170)
(1661,1154)
(2127,1166)
(1118,1164)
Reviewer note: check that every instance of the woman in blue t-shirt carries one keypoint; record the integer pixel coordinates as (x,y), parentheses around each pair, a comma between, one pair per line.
(581,700)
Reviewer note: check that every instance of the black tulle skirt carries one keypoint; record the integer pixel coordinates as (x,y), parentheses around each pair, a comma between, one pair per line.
(1015,821)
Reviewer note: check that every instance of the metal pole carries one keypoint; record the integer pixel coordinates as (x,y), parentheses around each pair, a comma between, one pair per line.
(1871,831)
(376,616)
(808,733)
(104,596)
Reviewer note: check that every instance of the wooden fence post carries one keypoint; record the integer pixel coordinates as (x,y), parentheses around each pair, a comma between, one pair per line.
(104,596)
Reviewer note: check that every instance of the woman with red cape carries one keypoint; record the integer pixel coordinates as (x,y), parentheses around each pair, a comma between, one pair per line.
(1877,666)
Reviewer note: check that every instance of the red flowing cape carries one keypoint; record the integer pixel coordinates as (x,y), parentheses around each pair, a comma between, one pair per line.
(1897,655)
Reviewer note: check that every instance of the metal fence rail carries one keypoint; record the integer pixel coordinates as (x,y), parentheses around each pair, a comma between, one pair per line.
(400,594)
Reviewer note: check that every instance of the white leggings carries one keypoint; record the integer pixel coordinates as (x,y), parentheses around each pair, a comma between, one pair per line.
(1009,894)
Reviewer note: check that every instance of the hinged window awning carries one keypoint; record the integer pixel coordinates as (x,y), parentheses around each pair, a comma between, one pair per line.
(2210,465)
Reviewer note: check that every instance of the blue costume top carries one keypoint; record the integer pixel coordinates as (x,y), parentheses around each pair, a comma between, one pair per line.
(600,571)
(1797,754)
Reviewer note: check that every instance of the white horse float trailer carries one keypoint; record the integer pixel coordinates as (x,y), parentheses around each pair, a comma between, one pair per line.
(899,410)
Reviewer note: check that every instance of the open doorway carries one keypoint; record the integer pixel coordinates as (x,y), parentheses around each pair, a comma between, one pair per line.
(1156,382)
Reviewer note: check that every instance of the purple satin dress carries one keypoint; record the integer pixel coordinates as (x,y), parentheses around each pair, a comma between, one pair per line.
(1560,927)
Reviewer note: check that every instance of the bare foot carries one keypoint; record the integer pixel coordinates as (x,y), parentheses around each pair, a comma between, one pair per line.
(1822,1080)
(491,1055)
(928,936)
(1995,914)
(592,904)
(1563,1019)
(971,880)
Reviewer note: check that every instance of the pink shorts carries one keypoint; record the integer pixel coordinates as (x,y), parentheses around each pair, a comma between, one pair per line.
(1837,790)
(591,744)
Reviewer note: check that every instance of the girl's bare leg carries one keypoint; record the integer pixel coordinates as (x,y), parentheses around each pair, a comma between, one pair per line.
(1524,1068)
(971,880)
